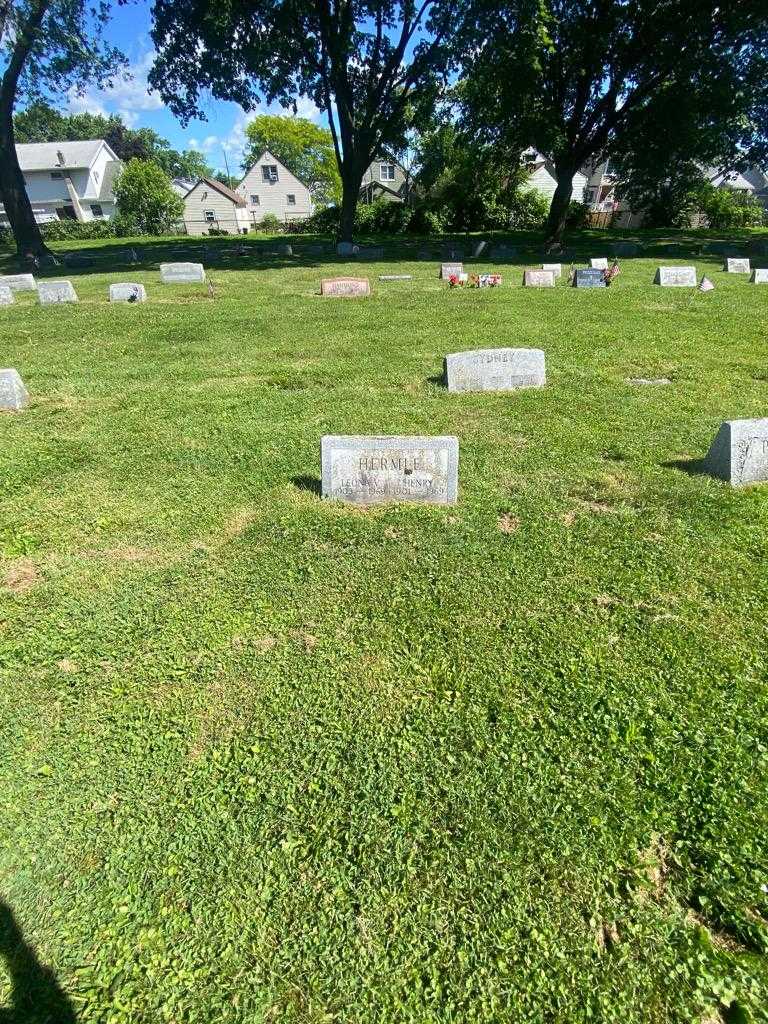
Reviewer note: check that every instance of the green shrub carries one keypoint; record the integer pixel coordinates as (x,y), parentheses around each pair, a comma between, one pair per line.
(73,230)
(578,214)
(270,224)
(324,222)
(726,208)
(145,197)
(527,210)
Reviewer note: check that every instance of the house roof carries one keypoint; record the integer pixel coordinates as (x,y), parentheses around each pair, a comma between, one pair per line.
(217,186)
(45,156)
(380,185)
(273,159)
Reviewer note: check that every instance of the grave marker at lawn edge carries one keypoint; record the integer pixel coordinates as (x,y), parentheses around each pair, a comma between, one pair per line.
(600,263)
(538,279)
(451,270)
(495,369)
(13,394)
(736,265)
(759,276)
(556,268)
(127,292)
(377,470)
(182,273)
(739,452)
(590,277)
(676,277)
(19,282)
(51,293)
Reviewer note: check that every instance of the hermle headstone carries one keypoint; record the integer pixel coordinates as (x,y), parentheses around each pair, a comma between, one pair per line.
(345,287)
(589,278)
(19,282)
(676,277)
(495,369)
(51,292)
(127,292)
(737,266)
(182,273)
(739,453)
(538,279)
(13,394)
(375,470)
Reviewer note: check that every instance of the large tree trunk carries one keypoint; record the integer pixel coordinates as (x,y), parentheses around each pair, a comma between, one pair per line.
(30,246)
(351,180)
(561,200)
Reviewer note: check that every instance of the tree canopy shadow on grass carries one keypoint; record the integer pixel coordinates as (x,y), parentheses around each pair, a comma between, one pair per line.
(36,996)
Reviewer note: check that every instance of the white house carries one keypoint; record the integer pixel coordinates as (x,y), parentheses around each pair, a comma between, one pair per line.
(753,182)
(543,178)
(211,205)
(269,187)
(68,180)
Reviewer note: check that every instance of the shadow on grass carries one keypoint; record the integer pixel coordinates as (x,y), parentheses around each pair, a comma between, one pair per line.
(36,997)
(693,467)
(438,379)
(311,484)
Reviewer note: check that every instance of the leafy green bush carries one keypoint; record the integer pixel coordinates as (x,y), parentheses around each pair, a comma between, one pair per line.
(145,197)
(72,230)
(527,210)
(726,208)
(270,224)
(578,214)
(324,222)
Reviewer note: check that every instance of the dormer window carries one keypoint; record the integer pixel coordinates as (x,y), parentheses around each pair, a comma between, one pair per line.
(386,172)
(269,173)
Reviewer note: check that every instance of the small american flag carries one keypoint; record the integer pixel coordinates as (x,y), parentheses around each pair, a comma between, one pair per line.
(610,272)
(706,285)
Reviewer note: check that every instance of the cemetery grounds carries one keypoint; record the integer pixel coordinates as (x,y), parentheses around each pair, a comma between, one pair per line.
(270,758)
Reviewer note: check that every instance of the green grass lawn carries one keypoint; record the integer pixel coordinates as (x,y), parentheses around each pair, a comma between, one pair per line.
(267,758)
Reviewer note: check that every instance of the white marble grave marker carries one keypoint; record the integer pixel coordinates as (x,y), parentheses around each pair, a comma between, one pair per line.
(739,453)
(376,470)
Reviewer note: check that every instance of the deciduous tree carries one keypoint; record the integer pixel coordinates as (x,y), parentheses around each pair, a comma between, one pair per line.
(145,198)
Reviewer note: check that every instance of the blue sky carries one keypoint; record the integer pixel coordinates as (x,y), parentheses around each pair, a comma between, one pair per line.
(223,132)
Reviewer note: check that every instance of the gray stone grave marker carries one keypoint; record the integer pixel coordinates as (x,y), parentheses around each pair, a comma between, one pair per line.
(347,249)
(589,278)
(376,470)
(451,270)
(6,296)
(538,279)
(739,453)
(19,282)
(345,287)
(599,263)
(495,369)
(759,276)
(395,277)
(53,292)
(182,273)
(737,266)
(676,277)
(556,268)
(127,292)
(13,394)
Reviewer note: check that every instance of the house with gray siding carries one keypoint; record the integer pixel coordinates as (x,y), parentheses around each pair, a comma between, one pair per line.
(385,178)
(210,205)
(269,187)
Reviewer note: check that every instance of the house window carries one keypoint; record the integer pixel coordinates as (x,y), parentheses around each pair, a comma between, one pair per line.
(254,200)
(56,175)
(269,172)
(66,212)
(386,172)
(291,200)
(97,210)
(210,216)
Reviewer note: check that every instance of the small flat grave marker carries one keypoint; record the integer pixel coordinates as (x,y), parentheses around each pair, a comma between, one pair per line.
(589,278)
(395,277)
(127,292)
(556,268)
(759,276)
(19,282)
(600,263)
(182,273)
(646,381)
(676,277)
(737,266)
(451,270)
(495,369)
(53,292)
(538,279)
(376,470)
(739,453)
(6,296)
(13,394)
(345,287)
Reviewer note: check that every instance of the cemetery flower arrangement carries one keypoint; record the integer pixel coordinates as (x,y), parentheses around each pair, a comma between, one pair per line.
(485,280)
(457,280)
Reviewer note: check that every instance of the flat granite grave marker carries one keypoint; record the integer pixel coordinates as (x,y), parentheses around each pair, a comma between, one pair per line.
(6,296)
(676,277)
(737,266)
(127,291)
(345,287)
(739,453)
(451,270)
(759,276)
(13,394)
(538,279)
(376,470)
(589,278)
(19,282)
(53,292)
(556,268)
(182,273)
(495,369)
(600,263)
(395,277)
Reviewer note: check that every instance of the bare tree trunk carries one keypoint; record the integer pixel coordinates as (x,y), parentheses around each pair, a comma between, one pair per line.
(351,180)
(558,210)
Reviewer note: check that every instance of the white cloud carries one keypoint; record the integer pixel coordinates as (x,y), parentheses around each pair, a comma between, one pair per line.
(126,96)
(306,108)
